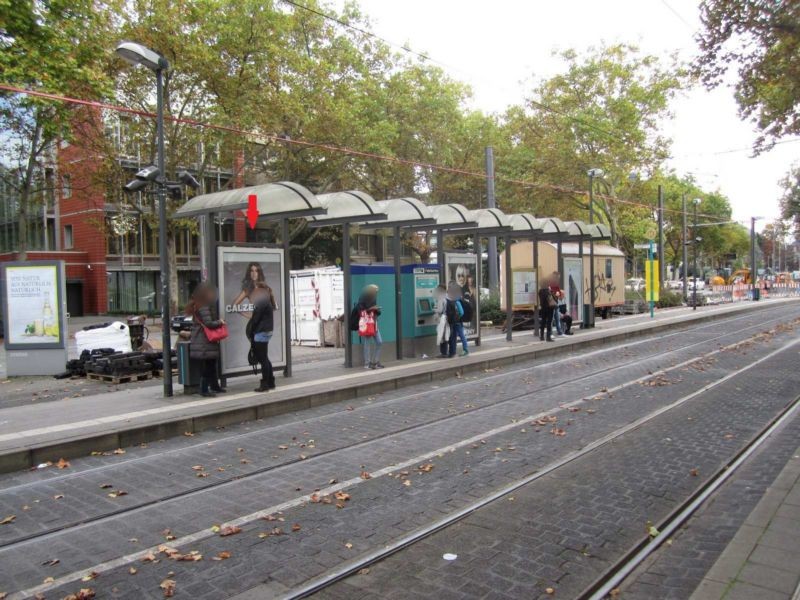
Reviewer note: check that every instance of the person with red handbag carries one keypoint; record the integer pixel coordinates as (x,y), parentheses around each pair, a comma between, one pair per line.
(207,332)
(368,311)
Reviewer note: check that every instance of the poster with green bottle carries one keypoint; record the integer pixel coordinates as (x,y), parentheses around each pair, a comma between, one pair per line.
(33,305)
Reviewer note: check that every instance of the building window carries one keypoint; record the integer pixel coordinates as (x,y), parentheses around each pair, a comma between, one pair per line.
(609,274)
(68,237)
(66,187)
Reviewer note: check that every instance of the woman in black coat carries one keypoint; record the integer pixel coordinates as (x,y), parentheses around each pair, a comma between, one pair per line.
(205,353)
(547,305)
(259,331)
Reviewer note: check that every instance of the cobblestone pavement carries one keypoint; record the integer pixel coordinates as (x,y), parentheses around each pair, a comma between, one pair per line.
(457,441)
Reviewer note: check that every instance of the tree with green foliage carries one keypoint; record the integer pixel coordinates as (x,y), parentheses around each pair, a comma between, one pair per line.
(57,46)
(604,112)
(790,200)
(761,40)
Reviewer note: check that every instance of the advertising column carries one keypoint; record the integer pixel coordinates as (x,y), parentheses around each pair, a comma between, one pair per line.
(34,309)
(239,269)
(462,269)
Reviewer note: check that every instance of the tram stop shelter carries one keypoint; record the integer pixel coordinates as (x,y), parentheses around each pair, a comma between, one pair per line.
(239,265)
(345,209)
(402,214)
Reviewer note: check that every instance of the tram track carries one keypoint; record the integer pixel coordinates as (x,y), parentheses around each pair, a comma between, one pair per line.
(239,437)
(224,483)
(404,542)
(603,585)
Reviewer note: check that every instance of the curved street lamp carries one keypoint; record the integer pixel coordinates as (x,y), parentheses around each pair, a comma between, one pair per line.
(137,54)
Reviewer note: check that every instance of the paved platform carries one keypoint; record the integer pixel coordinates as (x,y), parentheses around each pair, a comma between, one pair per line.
(33,434)
(763,559)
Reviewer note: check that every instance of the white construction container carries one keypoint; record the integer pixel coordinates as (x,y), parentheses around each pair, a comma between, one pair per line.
(317,296)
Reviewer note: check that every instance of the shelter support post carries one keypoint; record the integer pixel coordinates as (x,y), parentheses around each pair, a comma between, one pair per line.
(398,294)
(287,315)
(440,255)
(479,276)
(583,292)
(208,241)
(348,293)
(509,290)
(536,323)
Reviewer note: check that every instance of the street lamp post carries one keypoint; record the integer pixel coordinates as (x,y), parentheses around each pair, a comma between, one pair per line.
(137,54)
(685,259)
(753,267)
(592,174)
(694,255)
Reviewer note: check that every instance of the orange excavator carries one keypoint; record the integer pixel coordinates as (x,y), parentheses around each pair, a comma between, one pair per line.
(738,276)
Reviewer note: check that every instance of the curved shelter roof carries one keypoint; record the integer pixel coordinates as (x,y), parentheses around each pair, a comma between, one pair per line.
(452,216)
(491,221)
(525,224)
(347,207)
(403,212)
(553,228)
(280,200)
(601,231)
(580,229)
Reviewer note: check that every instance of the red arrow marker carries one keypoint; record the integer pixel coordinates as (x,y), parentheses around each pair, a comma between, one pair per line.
(252,210)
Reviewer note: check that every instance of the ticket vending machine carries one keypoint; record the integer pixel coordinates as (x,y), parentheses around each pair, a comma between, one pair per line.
(425,281)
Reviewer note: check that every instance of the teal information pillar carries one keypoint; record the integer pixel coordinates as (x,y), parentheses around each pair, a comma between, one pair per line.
(383,277)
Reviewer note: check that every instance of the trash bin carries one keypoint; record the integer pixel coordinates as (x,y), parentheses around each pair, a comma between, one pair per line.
(188,371)
(756,294)
(588,316)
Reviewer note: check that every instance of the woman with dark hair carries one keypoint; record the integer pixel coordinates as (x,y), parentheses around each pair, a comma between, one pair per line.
(202,309)
(253,275)
(259,331)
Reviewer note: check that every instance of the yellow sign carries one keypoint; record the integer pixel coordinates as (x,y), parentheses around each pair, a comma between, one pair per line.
(652,284)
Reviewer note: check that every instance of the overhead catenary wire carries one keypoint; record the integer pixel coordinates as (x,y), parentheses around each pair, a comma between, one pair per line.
(282,139)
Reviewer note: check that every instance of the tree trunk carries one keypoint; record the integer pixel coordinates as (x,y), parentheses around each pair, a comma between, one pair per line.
(25,191)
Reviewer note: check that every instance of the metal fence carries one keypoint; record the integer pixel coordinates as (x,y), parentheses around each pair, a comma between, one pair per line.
(741,291)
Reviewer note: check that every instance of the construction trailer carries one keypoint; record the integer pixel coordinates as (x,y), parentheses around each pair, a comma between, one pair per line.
(609,276)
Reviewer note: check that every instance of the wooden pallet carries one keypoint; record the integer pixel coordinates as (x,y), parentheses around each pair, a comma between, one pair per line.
(160,372)
(117,379)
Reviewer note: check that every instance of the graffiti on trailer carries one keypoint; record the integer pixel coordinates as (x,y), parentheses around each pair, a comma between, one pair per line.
(603,284)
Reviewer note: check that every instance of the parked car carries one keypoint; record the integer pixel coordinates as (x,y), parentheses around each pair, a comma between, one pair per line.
(675,284)
(635,284)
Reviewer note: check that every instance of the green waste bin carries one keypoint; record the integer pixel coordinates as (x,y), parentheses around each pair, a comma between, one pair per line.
(188,371)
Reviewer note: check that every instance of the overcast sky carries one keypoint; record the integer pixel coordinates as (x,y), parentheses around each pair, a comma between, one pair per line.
(498,47)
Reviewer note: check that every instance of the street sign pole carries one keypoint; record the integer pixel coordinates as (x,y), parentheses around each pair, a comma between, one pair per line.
(652,286)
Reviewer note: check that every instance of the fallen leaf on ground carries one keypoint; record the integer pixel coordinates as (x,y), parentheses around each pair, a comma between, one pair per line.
(365,475)
(119,451)
(83,594)
(149,557)
(224,555)
(105,486)
(51,562)
(133,570)
(230,530)
(407,482)
(117,494)
(694,472)
(201,475)
(168,585)
(426,468)
(296,527)
(49,580)
(549,591)
(348,545)
(343,496)
(364,571)
(89,576)
(58,496)
(62,464)
(188,434)
(197,468)
(8,519)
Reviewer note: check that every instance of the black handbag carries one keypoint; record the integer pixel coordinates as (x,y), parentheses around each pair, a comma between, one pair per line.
(252,360)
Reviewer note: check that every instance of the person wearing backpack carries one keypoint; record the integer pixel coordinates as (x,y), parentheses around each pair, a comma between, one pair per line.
(364,319)
(547,305)
(463,315)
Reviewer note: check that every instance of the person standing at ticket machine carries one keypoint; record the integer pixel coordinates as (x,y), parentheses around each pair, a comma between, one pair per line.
(365,320)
